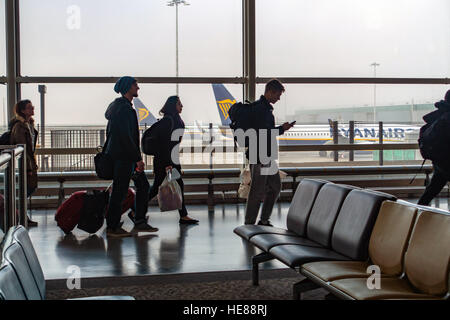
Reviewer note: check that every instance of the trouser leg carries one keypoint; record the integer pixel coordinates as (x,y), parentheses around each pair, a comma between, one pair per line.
(121,182)
(438,181)
(183,211)
(257,188)
(273,187)
(142,194)
(160,174)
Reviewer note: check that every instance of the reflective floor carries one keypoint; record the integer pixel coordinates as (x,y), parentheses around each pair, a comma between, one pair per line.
(209,246)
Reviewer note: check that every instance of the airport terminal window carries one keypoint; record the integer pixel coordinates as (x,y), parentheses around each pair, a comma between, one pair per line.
(3,100)
(343,38)
(85,104)
(316,103)
(116,37)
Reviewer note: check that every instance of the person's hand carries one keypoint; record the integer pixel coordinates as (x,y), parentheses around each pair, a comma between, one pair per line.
(168,168)
(140,166)
(286,126)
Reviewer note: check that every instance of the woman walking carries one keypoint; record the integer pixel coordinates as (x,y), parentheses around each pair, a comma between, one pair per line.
(163,162)
(23,132)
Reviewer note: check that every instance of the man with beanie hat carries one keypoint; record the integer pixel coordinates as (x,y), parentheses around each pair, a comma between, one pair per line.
(123,147)
(441,168)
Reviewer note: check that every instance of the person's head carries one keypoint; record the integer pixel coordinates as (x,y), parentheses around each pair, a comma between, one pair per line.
(274,90)
(24,109)
(127,86)
(447,96)
(173,105)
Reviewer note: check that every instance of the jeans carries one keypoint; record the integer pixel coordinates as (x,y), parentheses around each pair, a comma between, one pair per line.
(123,172)
(263,187)
(438,182)
(160,175)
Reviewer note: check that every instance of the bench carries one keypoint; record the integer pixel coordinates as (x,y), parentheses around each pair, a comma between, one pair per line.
(21,276)
(410,246)
(325,221)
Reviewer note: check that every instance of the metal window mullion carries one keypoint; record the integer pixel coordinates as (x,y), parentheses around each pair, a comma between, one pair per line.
(249,47)
(352,80)
(163,80)
(11,55)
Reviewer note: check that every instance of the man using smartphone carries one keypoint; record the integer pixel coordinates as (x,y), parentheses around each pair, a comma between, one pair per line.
(266,184)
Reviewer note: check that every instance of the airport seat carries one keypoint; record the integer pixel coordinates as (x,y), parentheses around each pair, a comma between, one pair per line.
(387,246)
(320,223)
(350,236)
(298,214)
(10,288)
(427,262)
(18,252)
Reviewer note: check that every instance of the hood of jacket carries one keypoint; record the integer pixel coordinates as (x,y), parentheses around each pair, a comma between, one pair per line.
(116,106)
(443,106)
(20,119)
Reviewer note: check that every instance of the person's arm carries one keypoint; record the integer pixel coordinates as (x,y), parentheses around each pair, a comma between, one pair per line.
(164,137)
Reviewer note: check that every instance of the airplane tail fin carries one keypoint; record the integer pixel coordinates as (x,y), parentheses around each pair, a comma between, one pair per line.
(144,115)
(224,101)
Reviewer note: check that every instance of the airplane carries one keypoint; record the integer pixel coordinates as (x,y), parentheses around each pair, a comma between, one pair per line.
(318,134)
(146,118)
(298,135)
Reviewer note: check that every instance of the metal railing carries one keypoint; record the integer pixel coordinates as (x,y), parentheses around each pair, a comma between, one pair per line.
(14,192)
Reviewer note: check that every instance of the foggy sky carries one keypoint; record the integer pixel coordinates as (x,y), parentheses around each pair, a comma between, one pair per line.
(317,38)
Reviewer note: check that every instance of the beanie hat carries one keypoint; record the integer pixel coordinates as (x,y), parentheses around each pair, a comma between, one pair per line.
(123,85)
(447,96)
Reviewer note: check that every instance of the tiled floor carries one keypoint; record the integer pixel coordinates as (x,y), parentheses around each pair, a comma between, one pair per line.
(209,246)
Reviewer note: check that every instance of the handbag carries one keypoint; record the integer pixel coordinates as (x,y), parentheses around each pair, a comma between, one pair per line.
(104,164)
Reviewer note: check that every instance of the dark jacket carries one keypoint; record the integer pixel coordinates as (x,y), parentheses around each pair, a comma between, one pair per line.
(443,111)
(20,134)
(168,124)
(122,131)
(264,120)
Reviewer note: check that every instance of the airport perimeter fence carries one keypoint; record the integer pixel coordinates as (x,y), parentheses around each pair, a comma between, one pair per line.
(72,149)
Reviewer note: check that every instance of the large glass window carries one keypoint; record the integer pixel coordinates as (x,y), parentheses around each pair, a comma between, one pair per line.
(316,103)
(353,38)
(3,111)
(115,37)
(85,104)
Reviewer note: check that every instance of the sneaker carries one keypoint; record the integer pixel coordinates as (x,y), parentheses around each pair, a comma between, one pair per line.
(188,221)
(144,227)
(117,233)
(32,223)
(267,223)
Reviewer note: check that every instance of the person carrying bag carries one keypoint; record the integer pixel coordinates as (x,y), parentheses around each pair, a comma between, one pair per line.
(163,161)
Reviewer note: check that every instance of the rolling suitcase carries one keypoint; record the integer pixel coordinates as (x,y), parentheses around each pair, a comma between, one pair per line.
(69,213)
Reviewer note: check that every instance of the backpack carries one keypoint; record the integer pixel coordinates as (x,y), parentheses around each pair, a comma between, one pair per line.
(5,138)
(150,141)
(241,116)
(433,142)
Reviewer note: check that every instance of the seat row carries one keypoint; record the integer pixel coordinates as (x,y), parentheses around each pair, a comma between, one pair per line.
(21,276)
(332,226)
